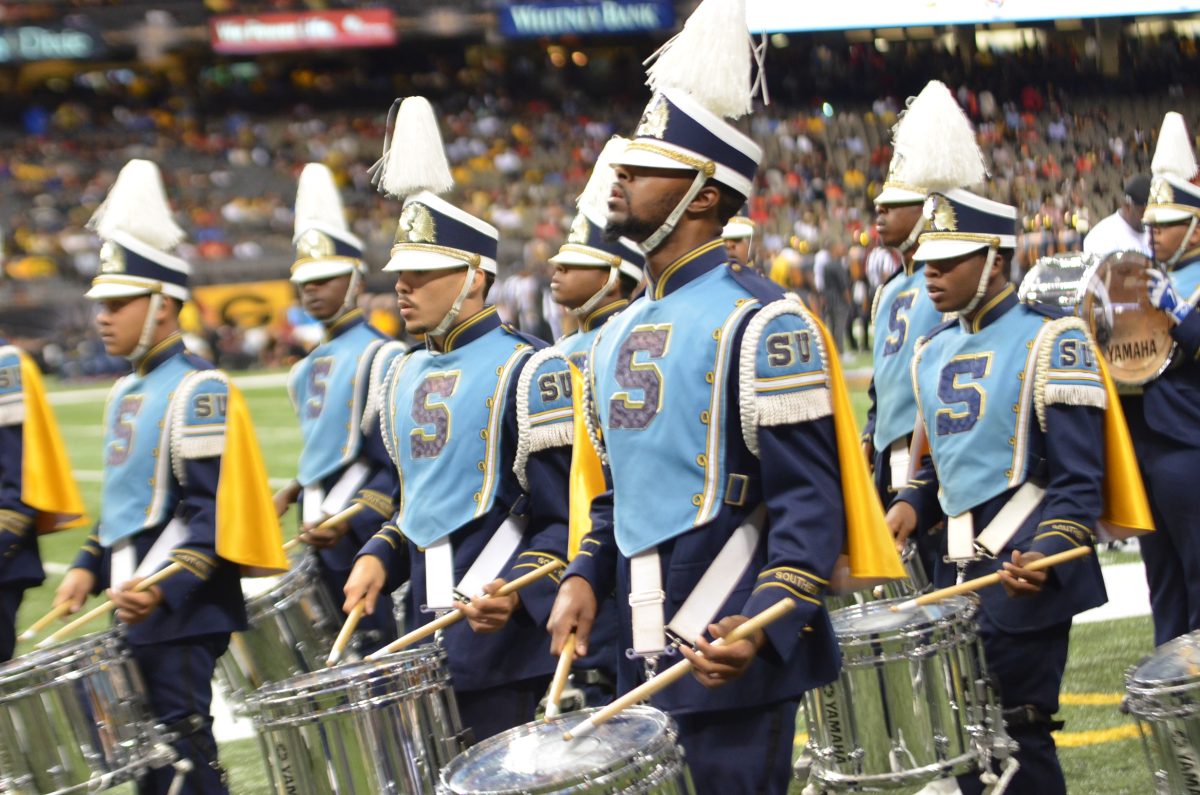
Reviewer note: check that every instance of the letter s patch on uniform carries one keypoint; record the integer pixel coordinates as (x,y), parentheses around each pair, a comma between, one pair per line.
(12,392)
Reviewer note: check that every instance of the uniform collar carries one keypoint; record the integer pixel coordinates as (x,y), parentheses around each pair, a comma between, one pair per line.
(470,329)
(993,310)
(344,323)
(691,265)
(164,350)
(1189,258)
(600,316)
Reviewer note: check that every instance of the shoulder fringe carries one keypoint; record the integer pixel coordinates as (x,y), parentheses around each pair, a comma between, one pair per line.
(375,382)
(591,415)
(777,409)
(12,407)
(385,420)
(531,440)
(1045,393)
(182,446)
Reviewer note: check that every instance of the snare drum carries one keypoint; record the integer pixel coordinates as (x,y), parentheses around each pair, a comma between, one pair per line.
(1109,294)
(73,719)
(293,622)
(1164,697)
(915,583)
(375,726)
(636,752)
(911,704)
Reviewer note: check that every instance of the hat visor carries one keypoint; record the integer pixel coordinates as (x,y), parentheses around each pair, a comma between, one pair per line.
(645,158)
(419,260)
(736,232)
(315,270)
(892,195)
(106,290)
(1165,215)
(578,259)
(930,250)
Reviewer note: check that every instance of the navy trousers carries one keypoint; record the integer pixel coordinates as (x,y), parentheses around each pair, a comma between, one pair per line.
(740,751)
(496,709)
(1172,552)
(1029,669)
(10,600)
(178,678)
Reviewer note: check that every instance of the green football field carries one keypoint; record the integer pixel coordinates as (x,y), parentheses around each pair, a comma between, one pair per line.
(1100,749)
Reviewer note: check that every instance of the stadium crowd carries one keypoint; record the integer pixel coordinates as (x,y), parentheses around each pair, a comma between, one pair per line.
(522,136)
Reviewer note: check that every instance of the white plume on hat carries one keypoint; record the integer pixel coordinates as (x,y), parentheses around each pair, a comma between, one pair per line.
(709,59)
(414,157)
(593,201)
(936,143)
(137,206)
(1173,155)
(318,201)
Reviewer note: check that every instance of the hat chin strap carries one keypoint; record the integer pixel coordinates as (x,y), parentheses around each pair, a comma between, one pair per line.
(452,315)
(911,240)
(590,304)
(350,301)
(1183,244)
(982,288)
(668,226)
(148,326)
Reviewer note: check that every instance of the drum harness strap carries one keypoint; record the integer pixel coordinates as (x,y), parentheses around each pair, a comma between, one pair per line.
(318,505)
(646,595)
(898,463)
(441,593)
(963,545)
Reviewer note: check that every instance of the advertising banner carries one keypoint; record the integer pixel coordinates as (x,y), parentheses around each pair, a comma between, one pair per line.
(237,34)
(562,17)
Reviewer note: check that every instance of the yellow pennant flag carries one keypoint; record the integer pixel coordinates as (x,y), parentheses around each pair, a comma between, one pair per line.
(1126,510)
(869,546)
(47,483)
(248,531)
(587,474)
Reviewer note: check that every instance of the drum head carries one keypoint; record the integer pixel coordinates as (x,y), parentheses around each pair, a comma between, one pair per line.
(1133,335)
(1174,661)
(535,758)
(876,618)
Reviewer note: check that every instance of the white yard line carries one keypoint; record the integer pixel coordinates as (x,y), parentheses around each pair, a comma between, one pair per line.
(1128,594)
(93,394)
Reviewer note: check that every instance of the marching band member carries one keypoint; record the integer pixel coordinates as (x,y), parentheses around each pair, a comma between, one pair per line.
(333,390)
(713,400)
(478,424)
(38,493)
(738,235)
(1165,419)
(1013,403)
(930,133)
(593,280)
(183,481)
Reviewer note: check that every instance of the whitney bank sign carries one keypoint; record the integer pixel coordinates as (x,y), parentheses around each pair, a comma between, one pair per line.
(606,16)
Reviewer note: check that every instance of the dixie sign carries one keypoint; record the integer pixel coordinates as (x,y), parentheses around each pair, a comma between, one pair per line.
(31,43)
(247,35)
(605,16)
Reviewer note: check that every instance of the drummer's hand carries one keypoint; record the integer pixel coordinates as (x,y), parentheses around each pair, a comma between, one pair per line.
(314,535)
(1163,296)
(366,580)
(75,588)
(1019,581)
(284,498)
(902,521)
(489,613)
(574,611)
(133,606)
(712,665)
